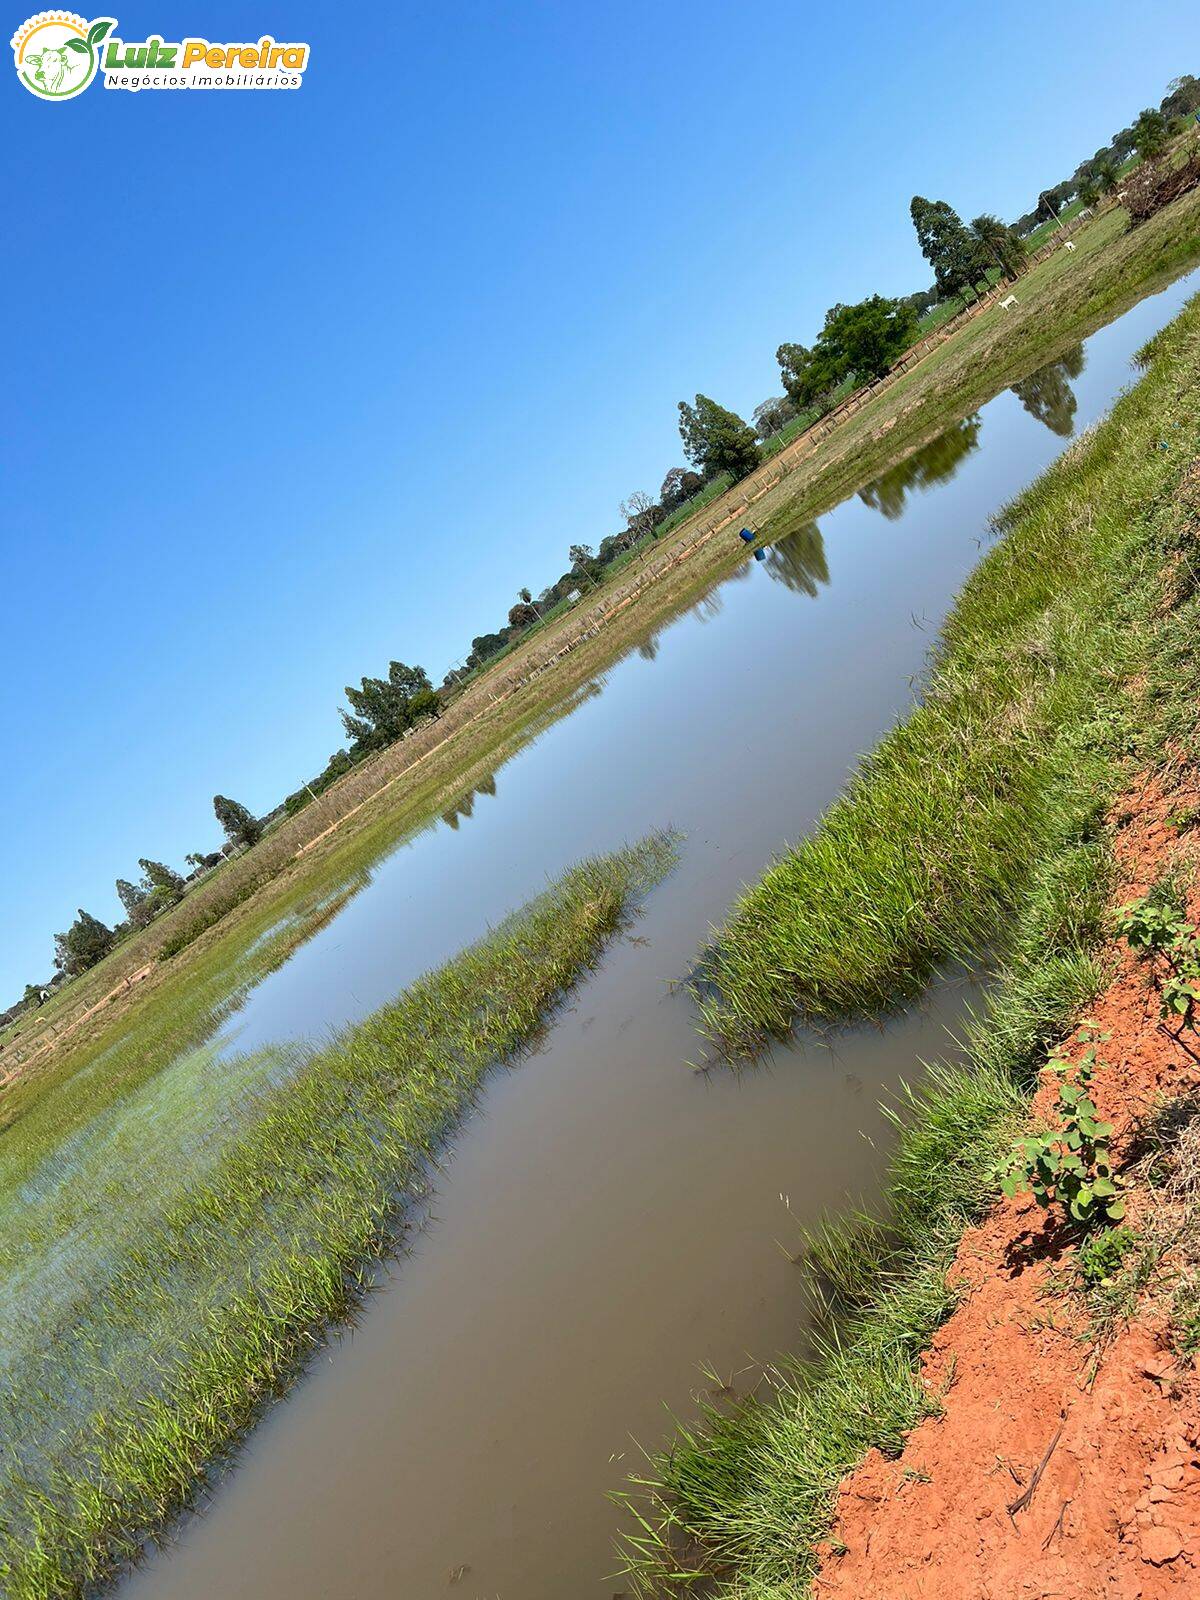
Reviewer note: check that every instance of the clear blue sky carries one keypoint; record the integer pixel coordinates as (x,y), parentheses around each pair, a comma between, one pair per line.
(299,382)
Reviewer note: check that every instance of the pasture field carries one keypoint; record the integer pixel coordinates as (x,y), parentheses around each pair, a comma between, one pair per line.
(1063,299)
(982,826)
(178,1227)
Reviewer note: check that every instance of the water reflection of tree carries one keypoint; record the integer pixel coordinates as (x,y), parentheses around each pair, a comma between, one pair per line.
(798,559)
(935,462)
(1047,394)
(464,806)
(712,602)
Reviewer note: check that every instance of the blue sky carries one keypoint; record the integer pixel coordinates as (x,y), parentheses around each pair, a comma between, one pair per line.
(299,382)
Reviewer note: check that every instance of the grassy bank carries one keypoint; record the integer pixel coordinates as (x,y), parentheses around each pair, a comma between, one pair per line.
(172,1256)
(1069,665)
(927,856)
(1063,299)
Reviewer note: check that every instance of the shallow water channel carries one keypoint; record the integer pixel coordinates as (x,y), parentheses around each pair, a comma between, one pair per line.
(610,1219)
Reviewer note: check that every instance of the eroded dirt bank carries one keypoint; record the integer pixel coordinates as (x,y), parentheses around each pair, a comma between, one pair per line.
(1066,1458)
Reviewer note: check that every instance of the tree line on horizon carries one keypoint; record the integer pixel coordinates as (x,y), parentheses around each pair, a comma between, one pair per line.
(856,344)
(88,940)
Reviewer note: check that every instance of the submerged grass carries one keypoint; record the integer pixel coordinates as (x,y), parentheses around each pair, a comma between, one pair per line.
(1070,662)
(1010,752)
(178,1278)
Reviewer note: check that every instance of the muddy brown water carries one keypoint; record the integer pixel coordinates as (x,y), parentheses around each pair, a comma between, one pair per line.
(611,1221)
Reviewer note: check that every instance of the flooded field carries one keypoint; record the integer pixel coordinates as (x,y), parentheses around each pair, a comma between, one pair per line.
(610,1234)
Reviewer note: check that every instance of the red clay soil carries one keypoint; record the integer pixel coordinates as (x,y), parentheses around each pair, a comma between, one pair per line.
(1058,1467)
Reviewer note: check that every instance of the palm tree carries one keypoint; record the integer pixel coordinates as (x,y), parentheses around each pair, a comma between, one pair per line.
(1151,134)
(998,245)
(1089,190)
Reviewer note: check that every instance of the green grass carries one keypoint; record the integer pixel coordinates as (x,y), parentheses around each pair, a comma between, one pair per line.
(1069,663)
(742,1499)
(173,1256)
(1011,749)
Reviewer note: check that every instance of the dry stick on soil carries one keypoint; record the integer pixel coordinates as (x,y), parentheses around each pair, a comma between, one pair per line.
(1022,1502)
(1177,1038)
(1058,1525)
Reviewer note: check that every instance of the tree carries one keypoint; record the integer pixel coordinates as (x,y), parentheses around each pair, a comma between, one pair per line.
(1123,144)
(85,942)
(159,876)
(159,888)
(519,616)
(195,859)
(483,646)
(679,485)
(581,557)
(997,240)
(241,826)
(808,379)
(1151,134)
(424,704)
(716,440)
(866,339)
(946,245)
(773,415)
(524,594)
(381,705)
(130,896)
(862,341)
(1048,202)
(1089,189)
(1183,96)
(923,300)
(641,515)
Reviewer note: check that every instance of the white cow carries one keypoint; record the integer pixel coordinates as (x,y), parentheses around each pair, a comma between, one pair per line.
(1009,301)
